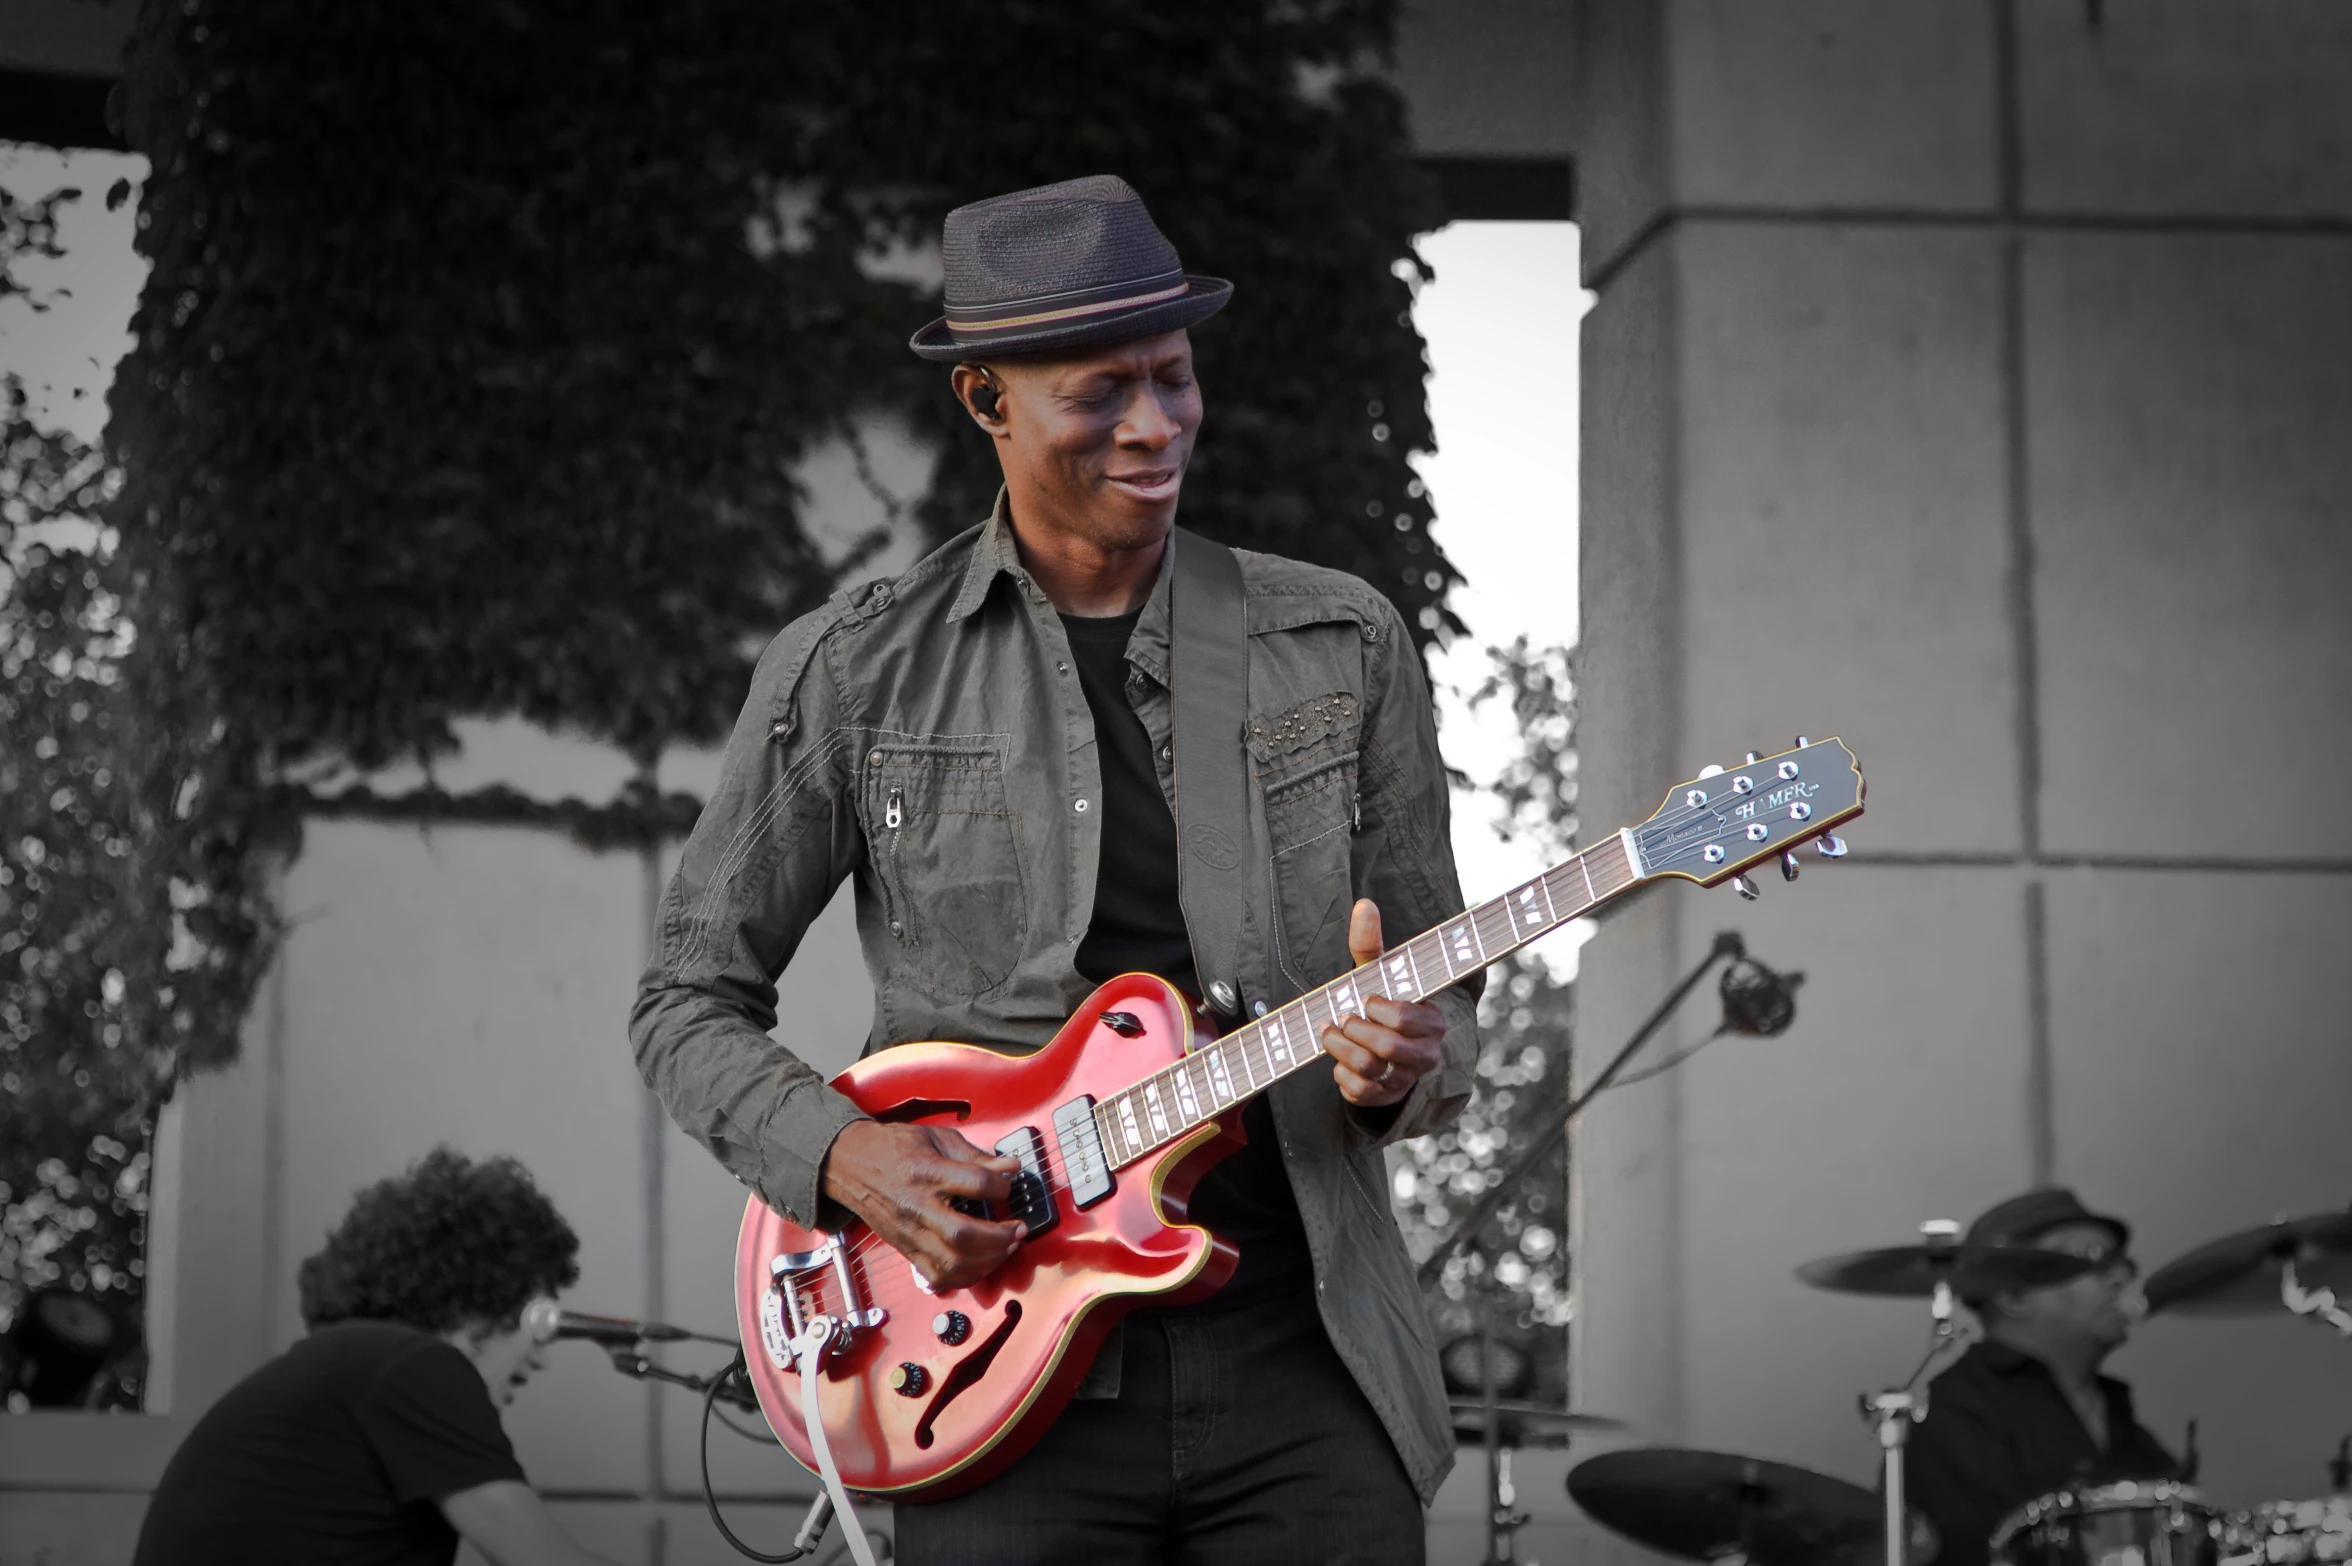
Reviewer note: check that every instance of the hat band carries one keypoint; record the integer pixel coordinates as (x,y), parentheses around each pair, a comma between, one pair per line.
(1068,313)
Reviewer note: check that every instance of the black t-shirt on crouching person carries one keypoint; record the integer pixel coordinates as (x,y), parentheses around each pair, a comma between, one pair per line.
(337,1450)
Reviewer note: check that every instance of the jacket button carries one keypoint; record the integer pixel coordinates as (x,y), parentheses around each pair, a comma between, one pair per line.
(1061,667)
(873,758)
(1081,807)
(894,928)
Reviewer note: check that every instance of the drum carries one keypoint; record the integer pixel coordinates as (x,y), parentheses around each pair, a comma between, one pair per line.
(2290,1533)
(2134,1523)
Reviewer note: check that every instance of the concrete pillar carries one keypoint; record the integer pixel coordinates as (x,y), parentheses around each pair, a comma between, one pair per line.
(1970,380)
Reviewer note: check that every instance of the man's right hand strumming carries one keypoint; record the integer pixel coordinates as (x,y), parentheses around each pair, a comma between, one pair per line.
(899,1179)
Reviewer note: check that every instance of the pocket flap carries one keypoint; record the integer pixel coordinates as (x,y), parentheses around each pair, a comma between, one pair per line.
(1304,726)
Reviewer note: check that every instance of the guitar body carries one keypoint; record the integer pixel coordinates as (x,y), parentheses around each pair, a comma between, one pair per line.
(1034,1325)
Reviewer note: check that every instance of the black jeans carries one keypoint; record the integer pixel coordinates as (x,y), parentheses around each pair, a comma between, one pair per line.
(1237,1437)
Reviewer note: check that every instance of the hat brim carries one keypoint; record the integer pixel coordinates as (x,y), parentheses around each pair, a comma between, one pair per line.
(1202,298)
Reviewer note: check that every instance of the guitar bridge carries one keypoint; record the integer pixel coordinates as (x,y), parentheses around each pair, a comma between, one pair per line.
(796,1283)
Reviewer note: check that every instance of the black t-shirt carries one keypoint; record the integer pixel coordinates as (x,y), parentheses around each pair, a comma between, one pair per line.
(334,1451)
(2000,1432)
(1138,927)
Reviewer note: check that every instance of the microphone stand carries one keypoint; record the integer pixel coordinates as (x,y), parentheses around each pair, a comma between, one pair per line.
(733,1384)
(1502,1518)
(1727,947)
(732,1389)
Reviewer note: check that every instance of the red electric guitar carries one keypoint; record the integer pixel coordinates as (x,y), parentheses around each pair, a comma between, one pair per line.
(927,1394)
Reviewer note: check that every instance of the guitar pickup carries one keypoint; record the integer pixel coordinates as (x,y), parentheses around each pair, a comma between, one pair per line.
(1032,1201)
(1082,1152)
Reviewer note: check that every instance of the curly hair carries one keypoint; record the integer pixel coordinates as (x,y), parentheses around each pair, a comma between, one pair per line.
(451,1243)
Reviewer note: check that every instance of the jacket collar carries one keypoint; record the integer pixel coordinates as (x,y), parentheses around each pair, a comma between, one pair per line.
(1147,646)
(995,554)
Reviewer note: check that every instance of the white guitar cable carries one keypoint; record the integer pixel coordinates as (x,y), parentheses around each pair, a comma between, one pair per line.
(809,1350)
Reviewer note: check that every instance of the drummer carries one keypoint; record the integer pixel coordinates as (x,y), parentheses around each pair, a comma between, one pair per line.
(2025,1411)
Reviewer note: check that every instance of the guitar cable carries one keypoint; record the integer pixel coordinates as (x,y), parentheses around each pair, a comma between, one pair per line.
(812,1528)
(730,1383)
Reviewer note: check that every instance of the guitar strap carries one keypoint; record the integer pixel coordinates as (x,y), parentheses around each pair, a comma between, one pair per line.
(1208,666)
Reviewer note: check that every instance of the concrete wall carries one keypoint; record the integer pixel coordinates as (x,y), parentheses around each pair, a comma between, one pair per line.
(1970,380)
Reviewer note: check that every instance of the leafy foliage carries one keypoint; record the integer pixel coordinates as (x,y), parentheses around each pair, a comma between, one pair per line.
(76,1089)
(1537,788)
(1520,1259)
(479,351)
(1519,1262)
(482,341)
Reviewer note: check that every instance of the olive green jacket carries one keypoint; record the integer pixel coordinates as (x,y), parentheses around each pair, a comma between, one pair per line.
(928,738)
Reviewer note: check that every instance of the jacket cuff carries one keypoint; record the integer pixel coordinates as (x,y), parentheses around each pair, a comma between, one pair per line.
(793,1147)
(1437,1099)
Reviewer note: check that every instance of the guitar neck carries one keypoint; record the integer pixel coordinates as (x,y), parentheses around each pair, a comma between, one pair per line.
(1259,1053)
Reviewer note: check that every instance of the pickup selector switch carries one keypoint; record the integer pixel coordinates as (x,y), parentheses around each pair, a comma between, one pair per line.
(909,1379)
(951,1326)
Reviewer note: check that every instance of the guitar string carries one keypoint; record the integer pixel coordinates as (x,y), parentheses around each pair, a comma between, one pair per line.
(1499,907)
(1493,911)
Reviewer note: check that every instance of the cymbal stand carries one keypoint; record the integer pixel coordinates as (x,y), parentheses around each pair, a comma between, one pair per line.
(1893,1411)
(1503,1517)
(2313,1304)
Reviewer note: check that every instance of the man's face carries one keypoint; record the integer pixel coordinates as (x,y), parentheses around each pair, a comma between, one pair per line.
(506,1353)
(2093,1308)
(1094,444)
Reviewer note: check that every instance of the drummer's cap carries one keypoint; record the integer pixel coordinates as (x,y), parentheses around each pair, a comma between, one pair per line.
(2023,1219)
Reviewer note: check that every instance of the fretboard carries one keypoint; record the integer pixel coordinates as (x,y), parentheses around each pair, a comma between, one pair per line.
(1259,1053)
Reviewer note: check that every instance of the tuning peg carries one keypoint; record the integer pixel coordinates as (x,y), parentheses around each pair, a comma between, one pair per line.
(1710,770)
(1788,864)
(1802,742)
(1831,846)
(1745,887)
(1751,761)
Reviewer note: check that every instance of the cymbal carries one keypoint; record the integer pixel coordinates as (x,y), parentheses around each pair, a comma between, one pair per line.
(1973,1271)
(1527,1425)
(1704,1505)
(2239,1275)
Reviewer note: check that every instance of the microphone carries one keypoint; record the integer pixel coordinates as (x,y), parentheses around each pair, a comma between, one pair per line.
(546,1322)
(1759,1001)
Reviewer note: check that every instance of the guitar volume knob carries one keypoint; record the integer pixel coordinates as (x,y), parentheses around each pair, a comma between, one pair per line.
(951,1326)
(909,1379)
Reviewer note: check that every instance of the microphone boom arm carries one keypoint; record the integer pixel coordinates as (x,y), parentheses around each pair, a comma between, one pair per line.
(1727,947)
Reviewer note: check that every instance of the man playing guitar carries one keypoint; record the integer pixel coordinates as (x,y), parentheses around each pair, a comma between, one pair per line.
(984,746)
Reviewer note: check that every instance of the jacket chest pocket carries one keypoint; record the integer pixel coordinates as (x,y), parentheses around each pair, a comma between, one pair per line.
(946,848)
(1306,772)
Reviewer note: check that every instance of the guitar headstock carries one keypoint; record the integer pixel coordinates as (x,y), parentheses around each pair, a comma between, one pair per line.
(1728,819)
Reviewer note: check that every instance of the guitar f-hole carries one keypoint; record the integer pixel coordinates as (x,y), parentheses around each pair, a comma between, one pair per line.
(968,1371)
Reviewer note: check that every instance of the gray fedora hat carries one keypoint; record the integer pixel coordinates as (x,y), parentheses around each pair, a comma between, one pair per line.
(1071,265)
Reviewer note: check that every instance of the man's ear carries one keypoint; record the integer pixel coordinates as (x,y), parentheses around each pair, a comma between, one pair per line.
(982,395)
